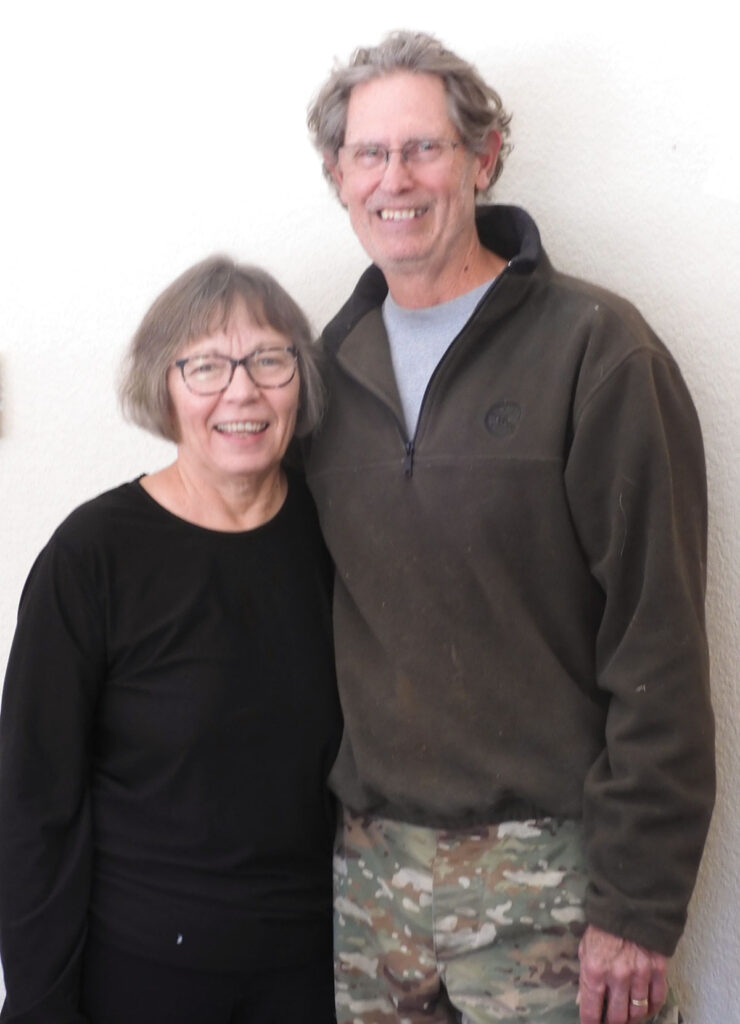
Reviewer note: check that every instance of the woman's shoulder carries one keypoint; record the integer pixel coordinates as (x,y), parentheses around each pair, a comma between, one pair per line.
(89,538)
(102,516)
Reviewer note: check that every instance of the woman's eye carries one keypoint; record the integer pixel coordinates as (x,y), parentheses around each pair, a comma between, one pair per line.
(206,368)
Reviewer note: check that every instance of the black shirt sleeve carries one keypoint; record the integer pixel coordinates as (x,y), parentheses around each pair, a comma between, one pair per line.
(56,663)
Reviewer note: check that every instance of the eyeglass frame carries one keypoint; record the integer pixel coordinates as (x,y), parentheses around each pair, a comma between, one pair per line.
(354,148)
(244,361)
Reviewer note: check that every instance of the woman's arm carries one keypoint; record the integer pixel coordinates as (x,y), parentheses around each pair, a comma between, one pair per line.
(56,662)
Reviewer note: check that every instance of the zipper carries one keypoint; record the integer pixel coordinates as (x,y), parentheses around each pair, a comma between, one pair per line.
(410,446)
(408,462)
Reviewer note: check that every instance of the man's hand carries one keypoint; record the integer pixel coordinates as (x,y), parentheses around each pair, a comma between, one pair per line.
(620,982)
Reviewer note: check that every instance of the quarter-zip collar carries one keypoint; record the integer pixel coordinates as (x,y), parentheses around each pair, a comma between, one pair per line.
(506,230)
(357,338)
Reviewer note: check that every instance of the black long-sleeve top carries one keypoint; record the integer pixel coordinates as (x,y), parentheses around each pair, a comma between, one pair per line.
(169,719)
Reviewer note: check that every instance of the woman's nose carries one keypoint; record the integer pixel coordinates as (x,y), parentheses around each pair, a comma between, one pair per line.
(241,384)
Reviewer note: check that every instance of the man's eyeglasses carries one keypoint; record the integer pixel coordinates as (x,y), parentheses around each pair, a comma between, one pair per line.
(266,367)
(373,156)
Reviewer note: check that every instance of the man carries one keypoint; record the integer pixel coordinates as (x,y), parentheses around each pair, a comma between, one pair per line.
(510,478)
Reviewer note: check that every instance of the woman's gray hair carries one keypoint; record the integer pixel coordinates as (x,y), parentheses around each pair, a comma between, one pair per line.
(196,305)
(473,106)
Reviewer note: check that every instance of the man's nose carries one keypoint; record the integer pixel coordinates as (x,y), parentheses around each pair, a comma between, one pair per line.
(397,174)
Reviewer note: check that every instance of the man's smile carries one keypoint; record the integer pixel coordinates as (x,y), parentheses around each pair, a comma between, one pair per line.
(410,213)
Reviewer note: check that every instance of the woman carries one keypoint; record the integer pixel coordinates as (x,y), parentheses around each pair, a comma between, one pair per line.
(169,713)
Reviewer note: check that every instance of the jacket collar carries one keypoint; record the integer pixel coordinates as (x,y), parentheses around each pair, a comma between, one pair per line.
(506,230)
(510,232)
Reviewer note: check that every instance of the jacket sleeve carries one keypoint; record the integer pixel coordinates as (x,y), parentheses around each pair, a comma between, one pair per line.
(56,663)
(635,480)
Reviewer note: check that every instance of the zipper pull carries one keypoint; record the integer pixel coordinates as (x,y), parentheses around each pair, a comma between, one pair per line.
(408,462)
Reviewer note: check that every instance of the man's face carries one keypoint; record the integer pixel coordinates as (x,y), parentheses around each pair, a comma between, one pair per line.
(411,218)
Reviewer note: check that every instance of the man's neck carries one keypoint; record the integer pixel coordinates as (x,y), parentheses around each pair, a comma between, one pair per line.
(418,290)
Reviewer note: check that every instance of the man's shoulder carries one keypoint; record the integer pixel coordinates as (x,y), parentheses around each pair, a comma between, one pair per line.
(604,314)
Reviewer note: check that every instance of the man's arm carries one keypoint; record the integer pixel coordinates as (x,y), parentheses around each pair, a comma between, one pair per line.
(636,486)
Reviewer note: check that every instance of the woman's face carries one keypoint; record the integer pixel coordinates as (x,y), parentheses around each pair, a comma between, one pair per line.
(241,432)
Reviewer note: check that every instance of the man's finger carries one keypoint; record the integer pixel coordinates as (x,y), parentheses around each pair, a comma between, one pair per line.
(591,1003)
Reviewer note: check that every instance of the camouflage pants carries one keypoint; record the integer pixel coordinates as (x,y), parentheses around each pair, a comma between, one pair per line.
(471,927)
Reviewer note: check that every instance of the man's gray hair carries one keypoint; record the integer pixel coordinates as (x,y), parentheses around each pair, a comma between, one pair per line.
(474,107)
(199,303)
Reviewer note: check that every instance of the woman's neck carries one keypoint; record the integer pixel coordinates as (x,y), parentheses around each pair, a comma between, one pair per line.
(230,505)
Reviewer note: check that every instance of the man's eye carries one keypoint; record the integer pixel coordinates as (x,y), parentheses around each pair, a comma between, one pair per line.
(365,153)
(423,149)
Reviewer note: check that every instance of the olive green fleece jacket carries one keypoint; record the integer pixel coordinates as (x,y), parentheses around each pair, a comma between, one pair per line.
(519,602)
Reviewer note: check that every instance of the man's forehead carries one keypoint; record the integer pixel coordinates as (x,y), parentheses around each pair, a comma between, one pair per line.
(399,102)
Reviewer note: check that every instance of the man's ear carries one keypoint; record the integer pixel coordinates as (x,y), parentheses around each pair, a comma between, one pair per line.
(331,166)
(487,160)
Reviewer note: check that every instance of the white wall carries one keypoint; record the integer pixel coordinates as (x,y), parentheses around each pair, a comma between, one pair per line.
(138,137)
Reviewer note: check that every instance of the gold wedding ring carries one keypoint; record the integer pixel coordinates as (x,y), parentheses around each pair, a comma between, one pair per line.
(639,1002)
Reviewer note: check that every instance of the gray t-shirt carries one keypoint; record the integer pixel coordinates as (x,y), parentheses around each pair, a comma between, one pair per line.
(419,338)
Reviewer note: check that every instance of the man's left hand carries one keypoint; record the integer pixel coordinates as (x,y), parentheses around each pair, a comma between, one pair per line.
(620,982)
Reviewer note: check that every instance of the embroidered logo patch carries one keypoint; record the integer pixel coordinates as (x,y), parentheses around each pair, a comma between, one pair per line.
(502,419)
